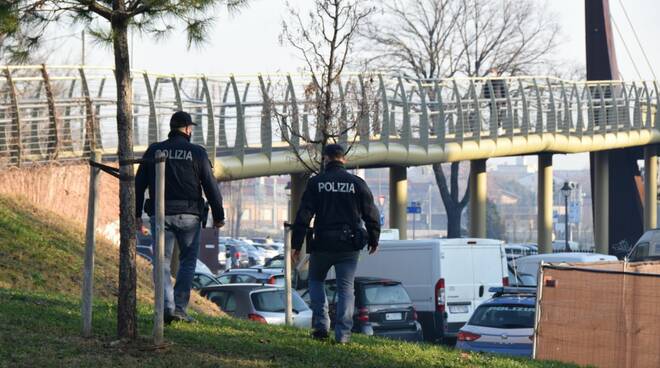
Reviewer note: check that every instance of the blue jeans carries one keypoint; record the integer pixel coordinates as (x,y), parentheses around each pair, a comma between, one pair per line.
(185,229)
(345,264)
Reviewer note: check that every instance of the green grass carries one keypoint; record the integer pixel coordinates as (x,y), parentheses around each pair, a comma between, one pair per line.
(42,330)
(40,272)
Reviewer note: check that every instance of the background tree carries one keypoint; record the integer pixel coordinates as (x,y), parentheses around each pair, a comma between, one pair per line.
(434,39)
(495,228)
(24,23)
(324,39)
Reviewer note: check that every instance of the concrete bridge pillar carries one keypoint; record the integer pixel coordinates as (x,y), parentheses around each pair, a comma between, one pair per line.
(650,188)
(544,200)
(399,200)
(478,198)
(601,201)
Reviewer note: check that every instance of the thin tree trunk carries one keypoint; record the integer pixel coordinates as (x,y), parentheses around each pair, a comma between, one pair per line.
(126,303)
(449,194)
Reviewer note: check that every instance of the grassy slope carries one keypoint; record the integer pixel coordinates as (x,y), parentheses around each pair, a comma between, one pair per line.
(41,251)
(40,261)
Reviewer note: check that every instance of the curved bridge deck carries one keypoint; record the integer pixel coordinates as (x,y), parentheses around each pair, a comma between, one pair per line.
(64,112)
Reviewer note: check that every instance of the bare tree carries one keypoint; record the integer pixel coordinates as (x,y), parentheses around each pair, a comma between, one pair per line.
(435,39)
(324,39)
(24,24)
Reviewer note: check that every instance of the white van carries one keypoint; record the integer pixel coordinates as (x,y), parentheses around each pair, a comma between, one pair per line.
(527,268)
(446,278)
(389,234)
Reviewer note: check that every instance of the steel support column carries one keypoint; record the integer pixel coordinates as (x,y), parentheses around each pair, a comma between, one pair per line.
(544,200)
(650,188)
(399,200)
(601,201)
(478,198)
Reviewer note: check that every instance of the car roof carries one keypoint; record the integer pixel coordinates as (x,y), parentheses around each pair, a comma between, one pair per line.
(371,280)
(254,270)
(526,300)
(567,257)
(240,287)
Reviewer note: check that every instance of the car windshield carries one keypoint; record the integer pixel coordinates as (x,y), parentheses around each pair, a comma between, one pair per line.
(527,279)
(645,252)
(276,263)
(392,293)
(503,316)
(273,301)
(251,247)
(521,279)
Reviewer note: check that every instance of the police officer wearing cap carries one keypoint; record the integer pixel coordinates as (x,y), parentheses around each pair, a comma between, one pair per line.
(345,221)
(188,172)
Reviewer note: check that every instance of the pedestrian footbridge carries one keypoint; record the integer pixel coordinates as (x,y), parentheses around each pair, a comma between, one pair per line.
(64,112)
(252,125)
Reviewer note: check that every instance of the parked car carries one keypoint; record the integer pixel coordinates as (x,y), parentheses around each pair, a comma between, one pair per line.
(238,256)
(529,266)
(201,280)
(256,256)
(279,247)
(259,303)
(266,240)
(647,247)
(276,262)
(382,308)
(222,256)
(200,267)
(389,234)
(268,251)
(251,276)
(451,277)
(502,325)
(298,275)
(514,251)
(145,252)
(518,279)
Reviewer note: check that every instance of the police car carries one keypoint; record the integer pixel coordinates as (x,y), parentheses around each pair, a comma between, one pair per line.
(503,324)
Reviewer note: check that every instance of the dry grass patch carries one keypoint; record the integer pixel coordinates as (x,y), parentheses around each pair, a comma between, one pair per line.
(43,251)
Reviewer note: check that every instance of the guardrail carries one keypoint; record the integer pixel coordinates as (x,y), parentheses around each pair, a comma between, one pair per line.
(50,113)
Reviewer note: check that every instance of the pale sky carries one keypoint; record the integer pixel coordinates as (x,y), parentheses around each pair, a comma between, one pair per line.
(247,43)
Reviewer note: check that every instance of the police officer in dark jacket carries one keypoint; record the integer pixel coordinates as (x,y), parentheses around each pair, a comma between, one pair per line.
(187,172)
(345,221)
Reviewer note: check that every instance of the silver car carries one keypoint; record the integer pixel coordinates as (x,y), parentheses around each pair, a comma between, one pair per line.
(259,303)
(268,251)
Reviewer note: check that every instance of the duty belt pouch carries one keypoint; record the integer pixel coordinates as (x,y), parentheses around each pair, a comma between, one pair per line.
(346,234)
(360,238)
(204,211)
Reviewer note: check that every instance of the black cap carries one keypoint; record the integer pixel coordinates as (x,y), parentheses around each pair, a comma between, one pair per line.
(180,119)
(334,150)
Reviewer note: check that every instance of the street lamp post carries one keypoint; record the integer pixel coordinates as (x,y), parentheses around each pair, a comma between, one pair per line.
(288,305)
(566,191)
